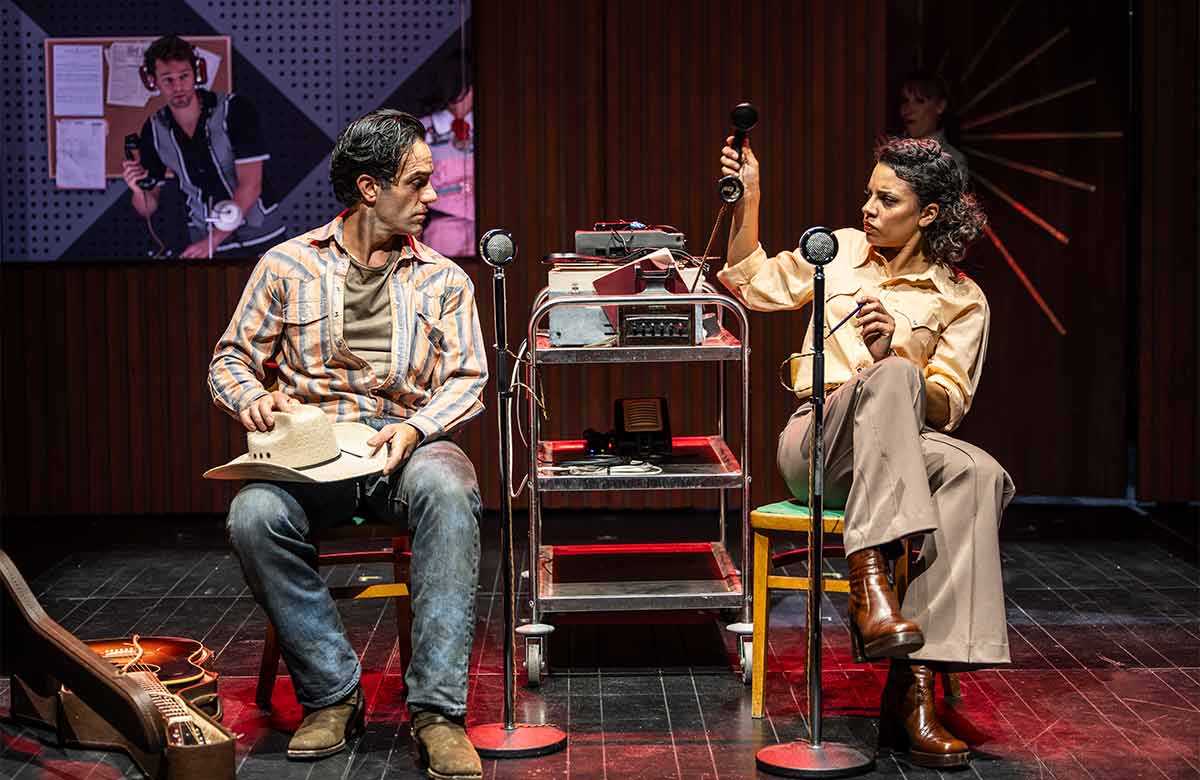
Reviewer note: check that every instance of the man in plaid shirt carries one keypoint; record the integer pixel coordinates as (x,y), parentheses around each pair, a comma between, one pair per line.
(374,327)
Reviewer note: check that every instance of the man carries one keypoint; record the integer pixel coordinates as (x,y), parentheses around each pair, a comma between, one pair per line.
(374,327)
(213,145)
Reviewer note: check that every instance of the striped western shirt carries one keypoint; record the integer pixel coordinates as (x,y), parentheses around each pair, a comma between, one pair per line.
(292,310)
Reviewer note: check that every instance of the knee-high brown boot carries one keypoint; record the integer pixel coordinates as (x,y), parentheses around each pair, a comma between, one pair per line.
(907,720)
(876,625)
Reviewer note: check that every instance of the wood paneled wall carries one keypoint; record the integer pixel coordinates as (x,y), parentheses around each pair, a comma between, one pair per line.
(1169,333)
(588,110)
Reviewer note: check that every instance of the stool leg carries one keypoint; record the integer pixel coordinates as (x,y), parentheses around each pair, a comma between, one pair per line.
(401,568)
(762,569)
(951,687)
(268,669)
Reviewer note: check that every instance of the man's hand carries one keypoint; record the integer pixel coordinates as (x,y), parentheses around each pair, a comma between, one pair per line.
(198,250)
(257,416)
(131,171)
(876,326)
(747,167)
(401,439)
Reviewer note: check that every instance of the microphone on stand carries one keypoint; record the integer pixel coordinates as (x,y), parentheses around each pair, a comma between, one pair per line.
(744,117)
(507,738)
(815,757)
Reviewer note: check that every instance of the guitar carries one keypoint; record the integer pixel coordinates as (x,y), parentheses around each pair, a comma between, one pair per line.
(178,663)
(181,727)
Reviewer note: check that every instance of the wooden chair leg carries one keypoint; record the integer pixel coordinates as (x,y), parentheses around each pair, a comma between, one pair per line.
(268,669)
(402,572)
(951,687)
(758,648)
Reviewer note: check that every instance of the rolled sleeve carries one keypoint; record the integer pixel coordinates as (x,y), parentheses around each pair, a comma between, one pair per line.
(236,372)
(765,283)
(957,361)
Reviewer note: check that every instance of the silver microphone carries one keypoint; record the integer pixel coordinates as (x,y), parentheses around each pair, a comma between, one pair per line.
(818,245)
(497,247)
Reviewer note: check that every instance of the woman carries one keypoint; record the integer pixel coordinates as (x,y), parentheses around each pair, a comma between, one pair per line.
(926,113)
(900,375)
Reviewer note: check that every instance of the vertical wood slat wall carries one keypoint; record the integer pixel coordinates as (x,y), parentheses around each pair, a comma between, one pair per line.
(1169,336)
(586,110)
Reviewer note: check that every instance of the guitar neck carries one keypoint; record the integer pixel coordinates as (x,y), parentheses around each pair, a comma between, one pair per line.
(182,728)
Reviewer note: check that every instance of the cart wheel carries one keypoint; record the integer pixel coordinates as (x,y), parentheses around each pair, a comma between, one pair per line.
(746,657)
(534,662)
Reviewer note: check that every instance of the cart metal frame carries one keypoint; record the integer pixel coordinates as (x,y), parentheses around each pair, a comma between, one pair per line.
(732,589)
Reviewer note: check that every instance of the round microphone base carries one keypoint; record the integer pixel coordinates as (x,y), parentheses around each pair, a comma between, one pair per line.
(523,740)
(802,759)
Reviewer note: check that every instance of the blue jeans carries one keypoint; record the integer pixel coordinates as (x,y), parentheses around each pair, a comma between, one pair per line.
(436,491)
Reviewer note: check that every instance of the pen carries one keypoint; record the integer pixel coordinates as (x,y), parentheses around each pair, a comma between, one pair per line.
(848,316)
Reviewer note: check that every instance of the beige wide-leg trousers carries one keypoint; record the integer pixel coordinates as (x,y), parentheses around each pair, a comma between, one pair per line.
(896,478)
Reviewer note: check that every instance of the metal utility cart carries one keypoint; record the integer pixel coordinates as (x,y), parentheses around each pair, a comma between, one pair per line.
(706,577)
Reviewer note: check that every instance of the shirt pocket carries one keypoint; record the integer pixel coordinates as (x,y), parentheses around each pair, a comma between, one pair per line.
(839,304)
(305,323)
(428,347)
(924,328)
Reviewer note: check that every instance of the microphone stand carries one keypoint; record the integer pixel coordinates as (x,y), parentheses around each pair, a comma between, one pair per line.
(509,739)
(813,757)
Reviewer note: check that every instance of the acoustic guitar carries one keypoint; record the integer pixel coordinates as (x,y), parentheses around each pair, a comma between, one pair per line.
(177,663)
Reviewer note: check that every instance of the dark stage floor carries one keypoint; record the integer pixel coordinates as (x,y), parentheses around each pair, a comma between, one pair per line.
(1105,680)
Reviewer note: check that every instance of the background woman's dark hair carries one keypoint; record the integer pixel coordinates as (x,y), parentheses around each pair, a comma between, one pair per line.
(375,144)
(169,48)
(931,86)
(935,178)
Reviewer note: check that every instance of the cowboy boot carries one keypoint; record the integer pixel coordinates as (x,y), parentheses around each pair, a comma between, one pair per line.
(908,721)
(877,628)
(324,731)
(445,750)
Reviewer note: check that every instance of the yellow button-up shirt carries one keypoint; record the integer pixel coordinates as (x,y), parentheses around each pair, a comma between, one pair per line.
(942,317)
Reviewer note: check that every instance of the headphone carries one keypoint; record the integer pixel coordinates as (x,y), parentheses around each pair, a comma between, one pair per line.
(199,71)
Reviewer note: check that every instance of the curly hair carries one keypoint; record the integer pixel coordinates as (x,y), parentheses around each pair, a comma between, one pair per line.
(169,48)
(935,178)
(375,144)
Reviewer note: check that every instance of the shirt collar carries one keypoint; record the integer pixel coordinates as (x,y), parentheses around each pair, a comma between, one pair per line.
(333,231)
(208,101)
(937,274)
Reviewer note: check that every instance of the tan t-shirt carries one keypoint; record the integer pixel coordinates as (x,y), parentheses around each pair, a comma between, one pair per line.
(942,317)
(368,328)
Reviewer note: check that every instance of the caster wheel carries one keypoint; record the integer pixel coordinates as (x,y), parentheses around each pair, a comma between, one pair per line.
(746,658)
(534,663)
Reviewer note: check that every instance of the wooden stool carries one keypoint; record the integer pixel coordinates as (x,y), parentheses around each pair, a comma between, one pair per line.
(398,554)
(792,516)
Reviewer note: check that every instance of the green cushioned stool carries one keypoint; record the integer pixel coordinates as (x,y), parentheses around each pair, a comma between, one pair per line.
(781,516)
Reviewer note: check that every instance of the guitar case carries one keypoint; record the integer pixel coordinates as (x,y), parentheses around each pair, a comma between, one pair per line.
(60,683)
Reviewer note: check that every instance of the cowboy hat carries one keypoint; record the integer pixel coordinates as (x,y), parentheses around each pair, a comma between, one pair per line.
(304,446)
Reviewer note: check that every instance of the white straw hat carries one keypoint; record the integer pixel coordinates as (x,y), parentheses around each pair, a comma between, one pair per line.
(304,446)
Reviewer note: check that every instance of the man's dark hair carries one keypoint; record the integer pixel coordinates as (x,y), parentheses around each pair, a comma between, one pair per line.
(375,144)
(169,48)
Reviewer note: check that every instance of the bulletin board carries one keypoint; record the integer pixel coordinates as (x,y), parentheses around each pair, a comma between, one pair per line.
(122,120)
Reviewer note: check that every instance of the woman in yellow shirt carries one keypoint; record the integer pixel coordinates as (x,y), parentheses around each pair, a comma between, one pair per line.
(900,376)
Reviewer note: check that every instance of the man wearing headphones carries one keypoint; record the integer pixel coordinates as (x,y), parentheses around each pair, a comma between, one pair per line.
(213,145)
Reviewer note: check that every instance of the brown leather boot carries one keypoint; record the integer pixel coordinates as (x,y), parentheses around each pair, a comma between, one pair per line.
(445,749)
(324,731)
(908,721)
(877,628)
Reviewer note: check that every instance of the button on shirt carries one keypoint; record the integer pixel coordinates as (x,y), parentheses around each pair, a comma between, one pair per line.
(941,315)
(293,308)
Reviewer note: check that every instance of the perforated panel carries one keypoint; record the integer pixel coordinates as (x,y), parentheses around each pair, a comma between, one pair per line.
(309,66)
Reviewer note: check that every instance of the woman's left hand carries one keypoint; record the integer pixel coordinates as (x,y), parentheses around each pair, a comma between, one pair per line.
(876,326)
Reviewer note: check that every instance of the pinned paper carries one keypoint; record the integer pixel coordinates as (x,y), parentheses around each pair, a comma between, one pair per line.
(125,86)
(79,154)
(78,80)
